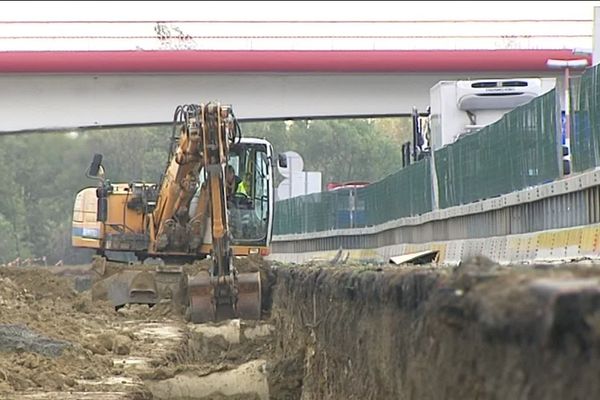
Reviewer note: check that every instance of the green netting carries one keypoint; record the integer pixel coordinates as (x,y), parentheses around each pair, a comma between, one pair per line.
(585,120)
(404,193)
(518,151)
(310,213)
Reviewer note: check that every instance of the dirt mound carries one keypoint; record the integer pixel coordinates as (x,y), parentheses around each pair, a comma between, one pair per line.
(48,330)
(252,263)
(24,370)
(38,283)
(53,338)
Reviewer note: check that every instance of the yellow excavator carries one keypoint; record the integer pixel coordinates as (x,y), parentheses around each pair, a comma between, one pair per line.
(193,213)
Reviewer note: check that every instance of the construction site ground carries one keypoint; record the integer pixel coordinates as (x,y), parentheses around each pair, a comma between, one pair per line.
(477,331)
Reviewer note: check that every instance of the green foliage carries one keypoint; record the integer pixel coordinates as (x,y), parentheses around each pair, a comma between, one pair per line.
(131,154)
(343,150)
(8,240)
(41,174)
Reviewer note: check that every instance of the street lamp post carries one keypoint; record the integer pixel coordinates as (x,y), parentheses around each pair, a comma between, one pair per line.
(566,65)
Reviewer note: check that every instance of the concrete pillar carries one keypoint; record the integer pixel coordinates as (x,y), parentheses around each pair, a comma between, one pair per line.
(596,37)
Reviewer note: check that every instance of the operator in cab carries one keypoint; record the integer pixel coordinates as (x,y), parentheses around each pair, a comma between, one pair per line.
(238,189)
(232,182)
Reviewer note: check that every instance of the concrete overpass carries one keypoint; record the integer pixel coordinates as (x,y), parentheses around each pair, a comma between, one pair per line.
(70,89)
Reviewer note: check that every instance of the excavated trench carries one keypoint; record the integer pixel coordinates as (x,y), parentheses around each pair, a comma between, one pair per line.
(479,331)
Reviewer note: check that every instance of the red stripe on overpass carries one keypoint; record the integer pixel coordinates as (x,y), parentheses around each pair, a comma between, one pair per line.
(189,61)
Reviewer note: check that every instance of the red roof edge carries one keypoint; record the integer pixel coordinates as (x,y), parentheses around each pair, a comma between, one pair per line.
(365,61)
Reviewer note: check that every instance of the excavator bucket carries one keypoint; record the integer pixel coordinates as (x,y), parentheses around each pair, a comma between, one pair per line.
(211,299)
(129,287)
(121,285)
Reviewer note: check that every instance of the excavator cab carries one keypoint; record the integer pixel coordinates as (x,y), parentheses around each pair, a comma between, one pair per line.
(251,206)
(186,217)
(250,211)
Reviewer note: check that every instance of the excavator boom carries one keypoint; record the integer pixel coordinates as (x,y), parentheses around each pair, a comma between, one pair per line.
(222,293)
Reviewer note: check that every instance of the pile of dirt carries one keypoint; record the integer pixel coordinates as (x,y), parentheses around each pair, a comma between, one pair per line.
(51,335)
(24,370)
(54,338)
(47,303)
(251,263)
(38,283)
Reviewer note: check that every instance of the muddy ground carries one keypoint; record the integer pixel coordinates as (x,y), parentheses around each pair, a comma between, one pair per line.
(479,331)
(55,339)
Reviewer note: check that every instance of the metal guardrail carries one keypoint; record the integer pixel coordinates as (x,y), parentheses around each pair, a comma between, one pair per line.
(569,202)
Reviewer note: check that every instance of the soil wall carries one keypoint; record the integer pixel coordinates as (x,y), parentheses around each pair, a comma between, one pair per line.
(477,332)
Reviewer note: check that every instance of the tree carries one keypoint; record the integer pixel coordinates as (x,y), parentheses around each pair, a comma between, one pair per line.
(398,130)
(343,150)
(40,174)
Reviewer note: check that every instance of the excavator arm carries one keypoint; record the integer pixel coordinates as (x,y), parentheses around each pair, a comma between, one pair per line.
(216,149)
(206,133)
(171,228)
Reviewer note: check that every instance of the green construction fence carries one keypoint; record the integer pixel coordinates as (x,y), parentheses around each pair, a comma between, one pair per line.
(402,194)
(585,120)
(520,150)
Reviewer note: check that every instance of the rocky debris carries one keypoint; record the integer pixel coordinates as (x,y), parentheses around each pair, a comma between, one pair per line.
(20,338)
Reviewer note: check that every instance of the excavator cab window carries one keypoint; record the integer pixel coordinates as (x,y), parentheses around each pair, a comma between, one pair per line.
(249,211)
(261,186)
